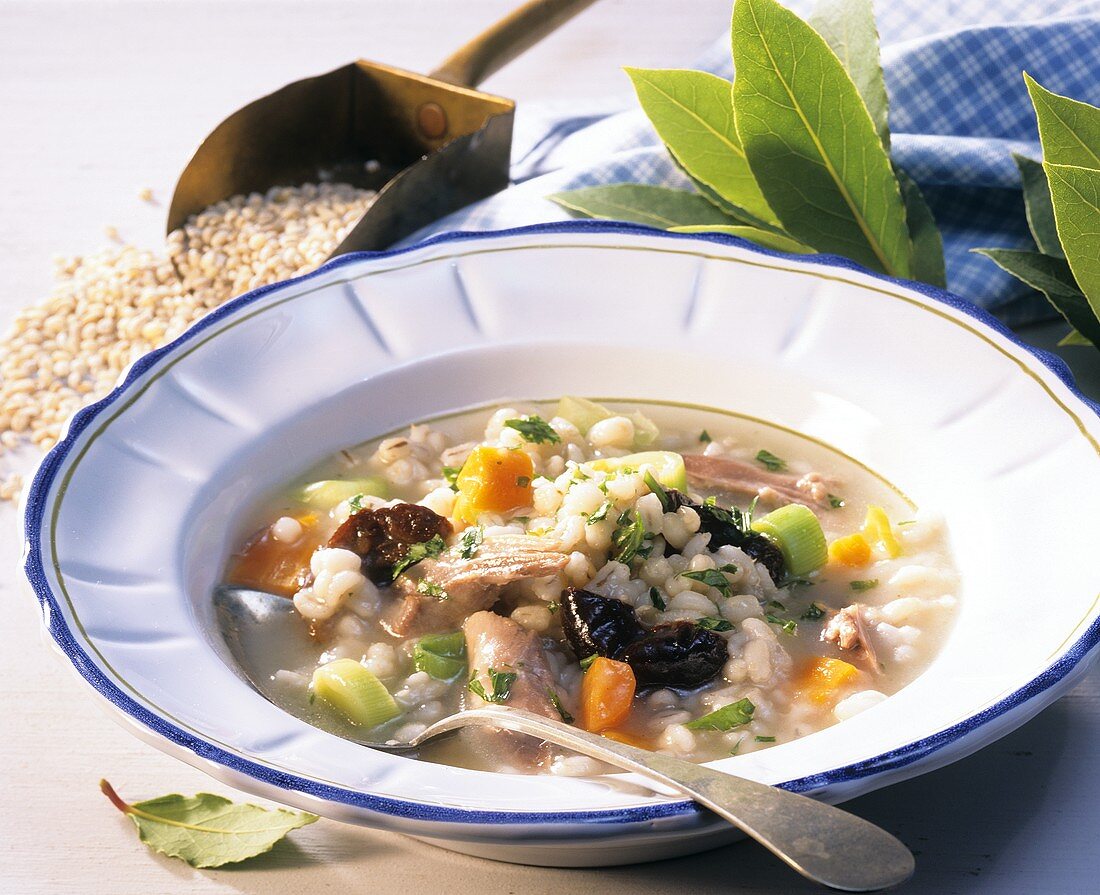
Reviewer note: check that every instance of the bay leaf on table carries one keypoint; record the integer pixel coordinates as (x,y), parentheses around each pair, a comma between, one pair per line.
(1075,192)
(207,830)
(926,262)
(692,112)
(767,238)
(1069,130)
(1038,206)
(811,143)
(655,206)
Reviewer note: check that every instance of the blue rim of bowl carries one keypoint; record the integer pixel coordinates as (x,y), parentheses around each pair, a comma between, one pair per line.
(36,505)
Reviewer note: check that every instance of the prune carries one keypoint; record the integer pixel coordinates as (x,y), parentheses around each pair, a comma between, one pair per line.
(731,528)
(678,654)
(383,537)
(596,625)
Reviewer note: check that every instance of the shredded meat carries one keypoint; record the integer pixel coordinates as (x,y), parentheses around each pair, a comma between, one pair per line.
(739,477)
(383,537)
(848,631)
(456,587)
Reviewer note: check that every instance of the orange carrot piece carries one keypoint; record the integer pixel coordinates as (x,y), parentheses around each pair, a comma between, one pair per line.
(274,566)
(850,550)
(607,695)
(493,480)
(824,679)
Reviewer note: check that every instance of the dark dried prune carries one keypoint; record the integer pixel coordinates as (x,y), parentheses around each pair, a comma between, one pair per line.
(731,528)
(383,537)
(678,654)
(596,625)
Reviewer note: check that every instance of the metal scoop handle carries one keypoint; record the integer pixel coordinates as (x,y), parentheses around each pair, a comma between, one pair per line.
(495,47)
(823,843)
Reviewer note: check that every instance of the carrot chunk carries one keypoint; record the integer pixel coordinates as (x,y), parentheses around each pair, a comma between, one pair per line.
(850,550)
(607,695)
(824,679)
(493,480)
(274,566)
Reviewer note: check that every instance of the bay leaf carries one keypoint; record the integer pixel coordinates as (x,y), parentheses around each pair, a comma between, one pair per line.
(1075,192)
(637,203)
(692,112)
(1069,130)
(1051,276)
(735,212)
(207,830)
(811,143)
(848,27)
(926,262)
(767,238)
(1075,338)
(1038,206)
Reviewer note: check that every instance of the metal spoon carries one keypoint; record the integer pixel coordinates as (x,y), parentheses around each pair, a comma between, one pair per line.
(823,843)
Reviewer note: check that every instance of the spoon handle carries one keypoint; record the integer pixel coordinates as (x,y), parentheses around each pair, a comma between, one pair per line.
(823,843)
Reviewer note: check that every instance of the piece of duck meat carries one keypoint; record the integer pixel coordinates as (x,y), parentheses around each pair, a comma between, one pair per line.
(740,477)
(382,537)
(848,630)
(508,666)
(437,594)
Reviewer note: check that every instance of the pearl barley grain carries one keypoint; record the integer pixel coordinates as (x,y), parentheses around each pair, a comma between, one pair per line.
(110,307)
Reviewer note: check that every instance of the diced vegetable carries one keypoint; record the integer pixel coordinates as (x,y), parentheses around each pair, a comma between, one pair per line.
(726,718)
(877,530)
(581,412)
(493,480)
(443,656)
(824,680)
(327,493)
(607,694)
(667,466)
(794,529)
(354,692)
(275,566)
(645,430)
(850,550)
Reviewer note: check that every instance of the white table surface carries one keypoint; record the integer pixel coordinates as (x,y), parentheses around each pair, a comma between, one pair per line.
(100,99)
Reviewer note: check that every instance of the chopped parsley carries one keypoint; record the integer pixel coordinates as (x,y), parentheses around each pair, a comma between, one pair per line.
(587,661)
(775,604)
(714,624)
(711,501)
(868,584)
(601,513)
(813,612)
(534,429)
(471,541)
(729,568)
(418,552)
(835,502)
(770,461)
(356,502)
(627,540)
(523,481)
(789,625)
(792,581)
(711,578)
(737,746)
(450,476)
(656,599)
(501,682)
(760,739)
(668,505)
(726,718)
(555,700)
(431,589)
(704,437)
(553,606)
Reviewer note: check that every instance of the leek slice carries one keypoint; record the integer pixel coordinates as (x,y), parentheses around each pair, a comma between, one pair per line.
(443,656)
(794,529)
(667,466)
(581,412)
(327,493)
(355,693)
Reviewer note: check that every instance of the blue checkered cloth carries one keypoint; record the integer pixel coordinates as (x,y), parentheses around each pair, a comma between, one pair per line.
(958,110)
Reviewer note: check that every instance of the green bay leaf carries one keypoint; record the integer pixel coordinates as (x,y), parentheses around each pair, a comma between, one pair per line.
(926,262)
(1069,130)
(641,204)
(1075,338)
(692,112)
(1038,206)
(208,830)
(810,141)
(766,238)
(1075,192)
(1051,276)
(848,27)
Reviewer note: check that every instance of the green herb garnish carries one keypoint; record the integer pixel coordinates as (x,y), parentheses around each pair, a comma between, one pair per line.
(704,437)
(726,718)
(789,625)
(714,624)
(419,552)
(587,661)
(601,513)
(471,541)
(835,502)
(555,700)
(534,429)
(431,589)
(668,505)
(627,540)
(711,578)
(656,599)
(553,606)
(770,461)
(813,612)
(760,739)
(450,476)
(355,502)
(501,682)
(868,584)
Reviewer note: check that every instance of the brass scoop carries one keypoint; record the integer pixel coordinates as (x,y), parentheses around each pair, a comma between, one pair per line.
(428,145)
